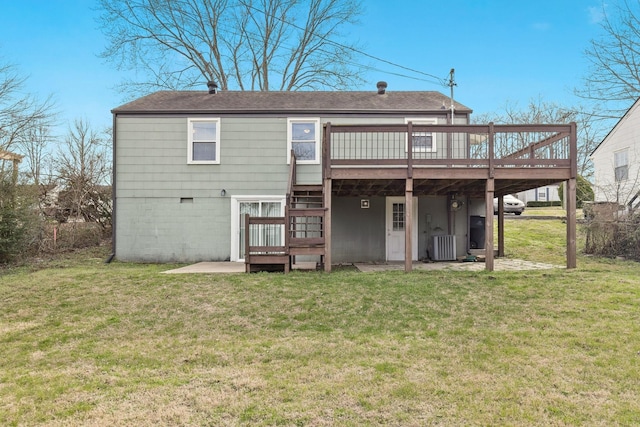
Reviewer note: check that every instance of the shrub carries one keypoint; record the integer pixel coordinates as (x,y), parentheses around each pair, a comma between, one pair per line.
(614,238)
(18,222)
(584,192)
(540,204)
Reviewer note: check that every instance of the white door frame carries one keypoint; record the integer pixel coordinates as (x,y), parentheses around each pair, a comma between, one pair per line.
(235,219)
(388,228)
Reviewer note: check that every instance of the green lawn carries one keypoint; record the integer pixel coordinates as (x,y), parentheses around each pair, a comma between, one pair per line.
(85,343)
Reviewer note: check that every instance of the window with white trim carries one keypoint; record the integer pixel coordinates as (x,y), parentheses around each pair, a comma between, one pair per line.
(422,142)
(303,137)
(621,164)
(204,141)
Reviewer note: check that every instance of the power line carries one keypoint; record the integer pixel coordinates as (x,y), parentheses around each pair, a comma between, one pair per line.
(439,80)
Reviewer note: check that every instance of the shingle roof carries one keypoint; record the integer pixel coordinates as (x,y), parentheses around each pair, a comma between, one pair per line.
(300,102)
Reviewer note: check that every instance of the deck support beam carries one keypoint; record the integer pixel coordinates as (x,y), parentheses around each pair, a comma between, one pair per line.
(571,223)
(571,198)
(500,226)
(408,225)
(327,224)
(488,225)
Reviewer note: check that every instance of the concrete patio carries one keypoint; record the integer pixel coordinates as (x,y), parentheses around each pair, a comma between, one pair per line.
(500,264)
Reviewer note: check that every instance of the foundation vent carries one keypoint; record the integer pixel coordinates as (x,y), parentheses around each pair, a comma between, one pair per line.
(444,248)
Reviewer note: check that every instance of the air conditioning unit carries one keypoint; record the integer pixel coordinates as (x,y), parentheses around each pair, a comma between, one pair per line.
(444,248)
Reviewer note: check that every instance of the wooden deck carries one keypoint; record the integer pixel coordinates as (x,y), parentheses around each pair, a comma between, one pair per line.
(517,157)
(481,161)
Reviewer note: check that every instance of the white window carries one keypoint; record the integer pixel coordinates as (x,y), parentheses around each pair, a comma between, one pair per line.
(621,164)
(422,142)
(303,137)
(204,141)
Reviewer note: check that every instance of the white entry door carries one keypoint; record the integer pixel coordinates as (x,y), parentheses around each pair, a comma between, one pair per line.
(395,225)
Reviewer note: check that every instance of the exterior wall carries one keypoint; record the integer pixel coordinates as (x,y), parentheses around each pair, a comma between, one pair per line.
(432,221)
(161,229)
(625,135)
(359,235)
(153,177)
(170,211)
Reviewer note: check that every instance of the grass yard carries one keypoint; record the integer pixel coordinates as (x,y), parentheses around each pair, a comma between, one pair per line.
(84,343)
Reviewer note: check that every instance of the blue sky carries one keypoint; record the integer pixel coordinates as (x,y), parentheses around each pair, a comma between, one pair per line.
(502,50)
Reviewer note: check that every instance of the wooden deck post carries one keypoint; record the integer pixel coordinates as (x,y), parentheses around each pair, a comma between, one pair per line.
(500,226)
(488,225)
(571,223)
(247,256)
(489,194)
(14,175)
(327,225)
(408,226)
(571,198)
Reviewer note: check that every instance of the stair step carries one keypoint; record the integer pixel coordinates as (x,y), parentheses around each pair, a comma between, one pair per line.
(309,187)
(307,202)
(307,196)
(308,211)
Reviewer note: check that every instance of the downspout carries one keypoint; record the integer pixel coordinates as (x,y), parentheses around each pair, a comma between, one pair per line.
(113,192)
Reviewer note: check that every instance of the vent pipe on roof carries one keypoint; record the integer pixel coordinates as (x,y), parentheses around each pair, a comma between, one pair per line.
(213,87)
(382,88)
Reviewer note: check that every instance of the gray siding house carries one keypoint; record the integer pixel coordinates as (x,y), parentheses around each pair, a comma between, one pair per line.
(397,176)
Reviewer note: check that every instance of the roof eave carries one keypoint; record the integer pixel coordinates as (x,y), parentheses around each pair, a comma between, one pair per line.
(290,111)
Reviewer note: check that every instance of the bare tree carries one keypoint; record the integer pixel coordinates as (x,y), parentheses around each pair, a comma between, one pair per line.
(84,171)
(34,144)
(239,44)
(19,112)
(613,80)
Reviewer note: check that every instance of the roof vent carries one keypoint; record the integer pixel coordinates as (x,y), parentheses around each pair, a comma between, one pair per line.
(382,87)
(213,87)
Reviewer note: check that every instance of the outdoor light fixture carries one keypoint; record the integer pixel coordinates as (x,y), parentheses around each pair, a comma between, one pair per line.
(223,192)
(364,203)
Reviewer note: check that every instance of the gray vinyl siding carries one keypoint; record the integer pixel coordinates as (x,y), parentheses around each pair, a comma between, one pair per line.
(153,175)
(161,229)
(152,158)
(358,235)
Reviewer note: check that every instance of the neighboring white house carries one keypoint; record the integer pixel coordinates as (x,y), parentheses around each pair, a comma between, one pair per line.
(616,161)
(547,193)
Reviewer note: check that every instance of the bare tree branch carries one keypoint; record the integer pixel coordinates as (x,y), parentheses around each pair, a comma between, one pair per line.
(240,44)
(84,169)
(20,112)
(613,79)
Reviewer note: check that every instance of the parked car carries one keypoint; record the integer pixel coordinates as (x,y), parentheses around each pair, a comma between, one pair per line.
(511,205)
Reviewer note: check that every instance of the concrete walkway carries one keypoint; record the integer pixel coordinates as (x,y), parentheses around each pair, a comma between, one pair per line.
(210,267)
(500,264)
(228,267)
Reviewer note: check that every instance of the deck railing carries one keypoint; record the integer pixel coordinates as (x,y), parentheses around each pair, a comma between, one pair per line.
(449,145)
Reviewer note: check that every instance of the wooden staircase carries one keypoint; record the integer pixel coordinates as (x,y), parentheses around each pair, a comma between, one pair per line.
(306,213)
(303,226)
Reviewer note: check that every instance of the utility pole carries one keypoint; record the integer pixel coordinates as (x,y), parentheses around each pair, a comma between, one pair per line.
(452,83)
